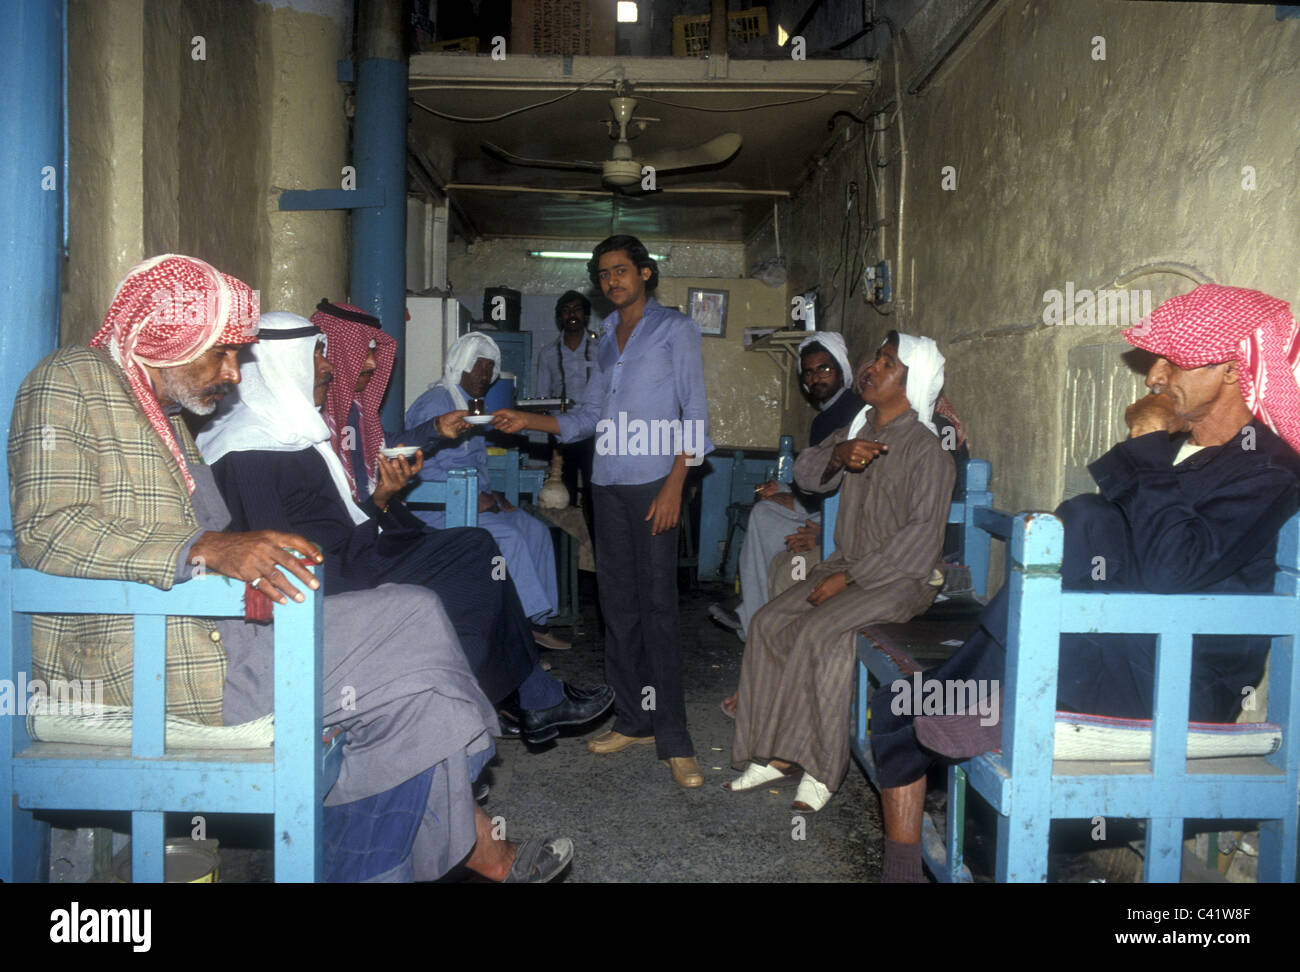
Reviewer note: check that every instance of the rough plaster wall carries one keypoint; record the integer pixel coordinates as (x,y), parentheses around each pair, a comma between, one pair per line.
(173,154)
(744,387)
(505,262)
(106,164)
(223,150)
(1070,169)
(810,245)
(308,251)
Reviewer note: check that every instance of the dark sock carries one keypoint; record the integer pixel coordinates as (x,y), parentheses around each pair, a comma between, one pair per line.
(902,863)
(540,691)
(959,736)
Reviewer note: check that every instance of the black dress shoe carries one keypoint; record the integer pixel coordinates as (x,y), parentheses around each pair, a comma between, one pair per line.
(579,706)
(511,719)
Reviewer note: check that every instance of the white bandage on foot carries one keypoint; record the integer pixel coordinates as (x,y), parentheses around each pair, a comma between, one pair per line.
(811,793)
(755,775)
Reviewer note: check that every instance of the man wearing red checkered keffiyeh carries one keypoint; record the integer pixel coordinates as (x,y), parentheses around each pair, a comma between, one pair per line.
(1216,325)
(362,356)
(170,311)
(1191,502)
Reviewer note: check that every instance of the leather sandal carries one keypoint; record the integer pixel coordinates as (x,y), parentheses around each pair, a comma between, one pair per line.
(538,861)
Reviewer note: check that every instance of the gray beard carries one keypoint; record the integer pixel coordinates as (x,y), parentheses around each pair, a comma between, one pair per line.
(190,399)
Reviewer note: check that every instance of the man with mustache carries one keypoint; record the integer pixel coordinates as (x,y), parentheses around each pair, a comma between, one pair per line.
(562,369)
(895,481)
(782,519)
(105,482)
(1191,501)
(649,369)
(269,450)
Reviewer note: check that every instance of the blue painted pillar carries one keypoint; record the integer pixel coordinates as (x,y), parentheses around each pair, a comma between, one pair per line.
(31,205)
(378,276)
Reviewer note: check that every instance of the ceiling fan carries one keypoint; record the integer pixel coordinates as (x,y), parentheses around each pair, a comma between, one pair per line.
(624,171)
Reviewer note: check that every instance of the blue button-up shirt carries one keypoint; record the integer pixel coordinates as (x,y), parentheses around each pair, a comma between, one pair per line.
(646,405)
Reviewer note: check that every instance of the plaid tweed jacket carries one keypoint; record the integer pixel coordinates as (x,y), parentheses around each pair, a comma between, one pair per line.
(96,493)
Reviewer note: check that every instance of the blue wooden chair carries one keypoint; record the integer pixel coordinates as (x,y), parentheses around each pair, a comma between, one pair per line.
(1029,789)
(511,477)
(726,493)
(288,780)
(458,495)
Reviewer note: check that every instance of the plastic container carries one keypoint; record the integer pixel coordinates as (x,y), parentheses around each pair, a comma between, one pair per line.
(502,393)
(187,862)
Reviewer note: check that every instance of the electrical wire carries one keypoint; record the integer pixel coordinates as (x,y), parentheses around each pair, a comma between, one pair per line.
(516,111)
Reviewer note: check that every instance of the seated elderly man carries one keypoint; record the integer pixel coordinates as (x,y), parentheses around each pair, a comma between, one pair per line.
(125,496)
(473,365)
(779,511)
(895,482)
(1192,501)
(270,453)
(773,560)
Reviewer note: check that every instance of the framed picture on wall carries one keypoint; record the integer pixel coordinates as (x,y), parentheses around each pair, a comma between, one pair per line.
(708,309)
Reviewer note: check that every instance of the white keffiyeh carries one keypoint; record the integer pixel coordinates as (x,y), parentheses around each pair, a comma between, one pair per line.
(273,408)
(924,363)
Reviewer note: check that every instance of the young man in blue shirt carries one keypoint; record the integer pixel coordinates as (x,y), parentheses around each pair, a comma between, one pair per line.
(645,403)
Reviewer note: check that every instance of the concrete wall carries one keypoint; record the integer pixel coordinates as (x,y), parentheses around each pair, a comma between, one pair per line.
(504,262)
(1069,169)
(169,153)
(744,387)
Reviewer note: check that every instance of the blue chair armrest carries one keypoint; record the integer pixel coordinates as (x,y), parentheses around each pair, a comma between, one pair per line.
(458,494)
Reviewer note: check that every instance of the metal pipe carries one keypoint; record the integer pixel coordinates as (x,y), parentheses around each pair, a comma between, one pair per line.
(30,208)
(378,267)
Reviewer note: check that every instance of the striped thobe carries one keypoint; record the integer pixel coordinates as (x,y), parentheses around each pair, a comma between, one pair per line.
(796,679)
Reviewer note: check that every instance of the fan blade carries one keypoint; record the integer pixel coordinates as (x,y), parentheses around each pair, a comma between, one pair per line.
(575,164)
(712,152)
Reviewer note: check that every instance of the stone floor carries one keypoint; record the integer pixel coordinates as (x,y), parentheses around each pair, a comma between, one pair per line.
(630,822)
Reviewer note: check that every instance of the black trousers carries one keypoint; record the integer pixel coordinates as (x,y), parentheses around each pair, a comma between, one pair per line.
(578,456)
(1102,674)
(457,565)
(637,575)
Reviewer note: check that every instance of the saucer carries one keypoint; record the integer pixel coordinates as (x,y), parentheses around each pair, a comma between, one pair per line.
(478,419)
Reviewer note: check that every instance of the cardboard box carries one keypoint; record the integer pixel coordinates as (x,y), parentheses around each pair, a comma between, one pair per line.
(562,27)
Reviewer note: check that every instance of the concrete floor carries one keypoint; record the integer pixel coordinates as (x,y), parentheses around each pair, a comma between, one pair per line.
(630,822)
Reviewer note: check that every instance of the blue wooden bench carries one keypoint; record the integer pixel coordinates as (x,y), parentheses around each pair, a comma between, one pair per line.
(973,477)
(1028,788)
(288,780)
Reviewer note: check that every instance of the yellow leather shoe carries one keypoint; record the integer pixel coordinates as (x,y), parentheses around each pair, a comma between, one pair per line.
(686,771)
(616,742)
